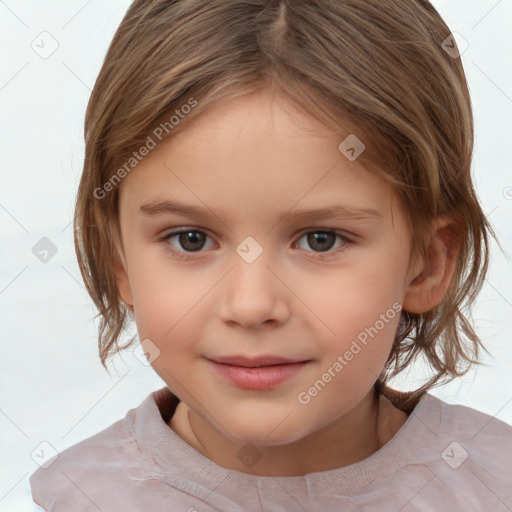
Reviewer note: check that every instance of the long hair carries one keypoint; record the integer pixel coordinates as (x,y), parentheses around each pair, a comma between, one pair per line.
(386,70)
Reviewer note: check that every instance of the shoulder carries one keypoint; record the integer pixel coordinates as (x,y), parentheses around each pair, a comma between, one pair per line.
(468,450)
(481,440)
(74,473)
(453,456)
(478,430)
(478,433)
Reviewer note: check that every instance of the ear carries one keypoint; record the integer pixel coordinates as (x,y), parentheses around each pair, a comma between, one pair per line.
(122,280)
(429,280)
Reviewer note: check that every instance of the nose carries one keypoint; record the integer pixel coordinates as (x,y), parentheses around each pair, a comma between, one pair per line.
(253,294)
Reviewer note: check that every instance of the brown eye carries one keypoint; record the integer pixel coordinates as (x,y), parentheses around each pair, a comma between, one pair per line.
(323,240)
(189,240)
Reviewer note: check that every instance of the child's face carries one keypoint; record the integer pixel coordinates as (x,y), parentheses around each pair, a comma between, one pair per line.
(248,164)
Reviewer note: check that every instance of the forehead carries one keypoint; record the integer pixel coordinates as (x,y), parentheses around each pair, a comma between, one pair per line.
(251,152)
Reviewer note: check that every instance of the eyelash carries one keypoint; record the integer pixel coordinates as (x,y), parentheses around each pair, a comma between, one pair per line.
(188,256)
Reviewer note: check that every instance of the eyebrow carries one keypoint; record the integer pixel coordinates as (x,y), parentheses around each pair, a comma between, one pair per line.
(331,212)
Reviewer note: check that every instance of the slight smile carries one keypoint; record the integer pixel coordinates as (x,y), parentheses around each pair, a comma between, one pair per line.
(259,373)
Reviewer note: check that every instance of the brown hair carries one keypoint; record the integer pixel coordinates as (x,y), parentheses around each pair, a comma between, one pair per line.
(374,68)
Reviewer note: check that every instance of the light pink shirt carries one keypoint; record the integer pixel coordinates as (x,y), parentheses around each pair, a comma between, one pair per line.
(444,458)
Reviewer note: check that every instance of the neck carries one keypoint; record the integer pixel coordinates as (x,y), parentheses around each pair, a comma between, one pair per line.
(349,439)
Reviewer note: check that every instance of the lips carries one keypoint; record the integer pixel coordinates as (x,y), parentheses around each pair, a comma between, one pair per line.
(257,373)
(254,362)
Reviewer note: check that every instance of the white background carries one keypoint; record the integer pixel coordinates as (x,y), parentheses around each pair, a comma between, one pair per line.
(52,385)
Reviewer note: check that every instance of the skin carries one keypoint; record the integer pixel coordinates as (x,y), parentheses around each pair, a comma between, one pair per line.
(250,161)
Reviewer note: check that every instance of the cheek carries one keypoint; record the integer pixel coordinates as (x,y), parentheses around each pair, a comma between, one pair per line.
(166,319)
(356,310)
(164,304)
(345,301)
(172,305)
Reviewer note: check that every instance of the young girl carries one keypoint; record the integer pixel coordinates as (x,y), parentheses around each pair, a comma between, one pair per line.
(279,194)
